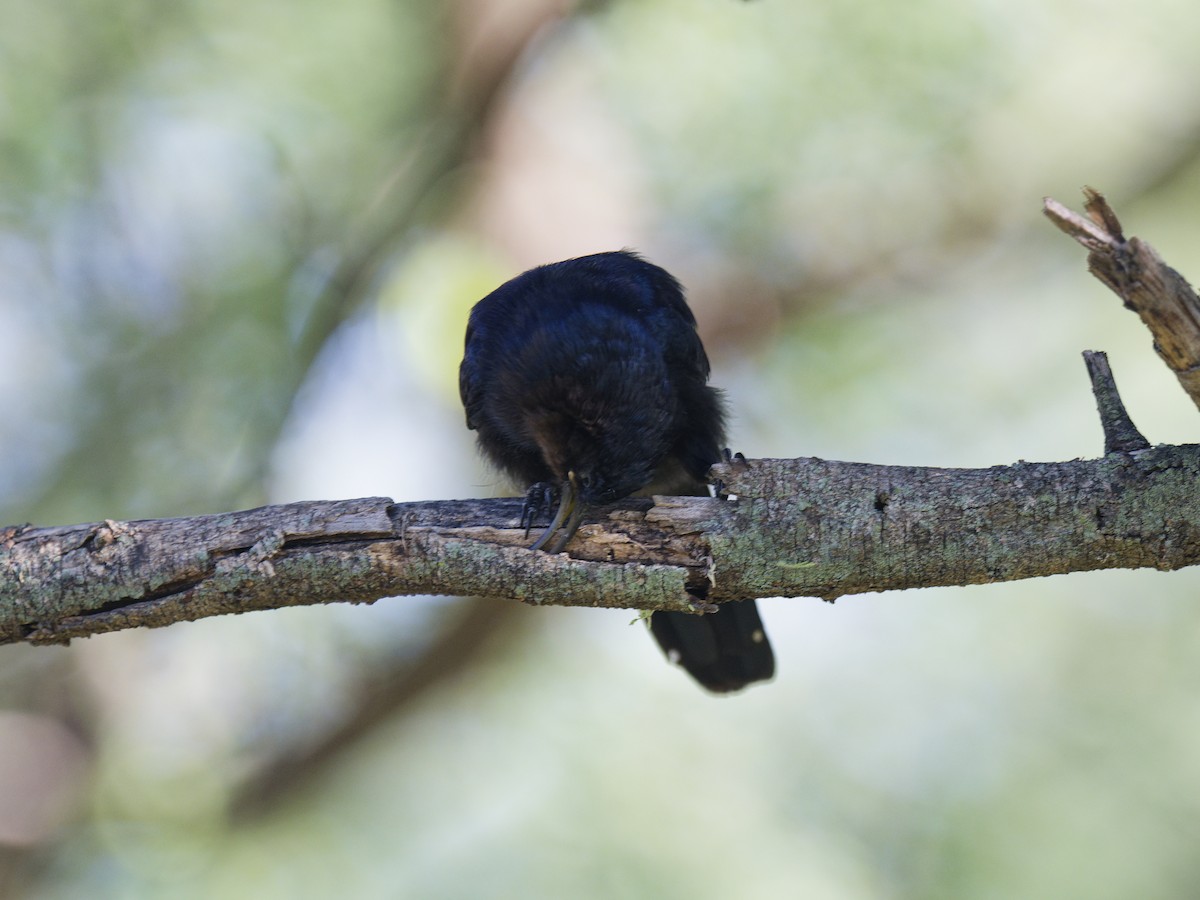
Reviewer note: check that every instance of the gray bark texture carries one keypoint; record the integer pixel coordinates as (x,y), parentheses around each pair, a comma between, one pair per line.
(800,527)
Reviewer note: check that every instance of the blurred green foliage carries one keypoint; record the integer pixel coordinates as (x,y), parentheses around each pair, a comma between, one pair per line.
(238,243)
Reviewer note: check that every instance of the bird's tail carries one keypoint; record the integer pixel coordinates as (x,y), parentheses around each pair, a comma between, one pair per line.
(724,651)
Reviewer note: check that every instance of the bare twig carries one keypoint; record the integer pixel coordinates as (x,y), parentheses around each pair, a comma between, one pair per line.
(1120,434)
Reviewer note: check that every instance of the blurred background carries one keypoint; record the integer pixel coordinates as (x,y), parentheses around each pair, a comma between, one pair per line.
(238,245)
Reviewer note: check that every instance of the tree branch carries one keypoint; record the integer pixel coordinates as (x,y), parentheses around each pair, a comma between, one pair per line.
(1148,286)
(1120,434)
(803,527)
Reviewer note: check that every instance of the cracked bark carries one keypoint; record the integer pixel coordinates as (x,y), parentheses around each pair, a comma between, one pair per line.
(803,527)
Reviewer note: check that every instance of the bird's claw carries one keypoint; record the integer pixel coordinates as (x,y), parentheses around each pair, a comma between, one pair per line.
(566,520)
(735,459)
(540,502)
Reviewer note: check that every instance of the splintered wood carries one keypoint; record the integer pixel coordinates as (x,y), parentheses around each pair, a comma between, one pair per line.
(1162,297)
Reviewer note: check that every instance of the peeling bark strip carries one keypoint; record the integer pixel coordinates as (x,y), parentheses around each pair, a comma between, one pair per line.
(59,583)
(805,527)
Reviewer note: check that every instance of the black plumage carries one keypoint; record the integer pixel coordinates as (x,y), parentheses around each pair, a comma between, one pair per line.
(587,382)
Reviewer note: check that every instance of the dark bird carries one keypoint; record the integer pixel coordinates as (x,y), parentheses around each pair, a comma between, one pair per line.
(587,382)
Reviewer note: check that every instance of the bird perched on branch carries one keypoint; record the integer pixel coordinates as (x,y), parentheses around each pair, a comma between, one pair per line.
(587,382)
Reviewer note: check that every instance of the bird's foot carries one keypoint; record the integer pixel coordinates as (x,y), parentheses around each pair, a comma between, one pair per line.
(541,500)
(566,520)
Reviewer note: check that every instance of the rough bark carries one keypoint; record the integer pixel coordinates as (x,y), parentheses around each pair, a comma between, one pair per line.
(804,527)
(1134,271)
